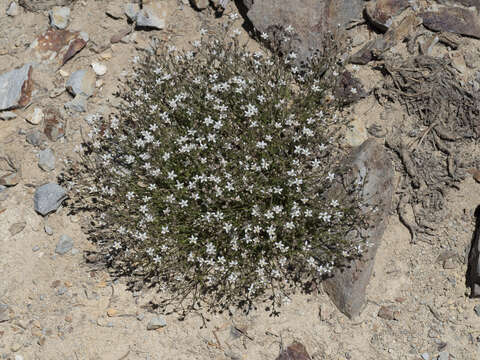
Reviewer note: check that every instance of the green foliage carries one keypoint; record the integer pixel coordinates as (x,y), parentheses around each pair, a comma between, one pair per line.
(211,182)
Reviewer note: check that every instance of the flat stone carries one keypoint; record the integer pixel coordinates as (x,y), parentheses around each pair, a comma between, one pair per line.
(99,69)
(370,165)
(16,228)
(131,11)
(57,45)
(444,355)
(81,82)
(77,104)
(387,313)
(48,198)
(36,138)
(16,87)
(7,115)
(40,5)
(156,323)
(54,127)
(380,13)
(48,230)
(13,9)
(11,179)
(453,19)
(36,116)
(295,351)
(46,160)
(152,15)
(64,245)
(59,17)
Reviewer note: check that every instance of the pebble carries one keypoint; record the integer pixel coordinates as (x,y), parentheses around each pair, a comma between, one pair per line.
(7,115)
(81,82)
(16,346)
(140,317)
(36,248)
(17,228)
(425,356)
(201,4)
(99,69)
(16,87)
(48,230)
(18,357)
(78,104)
(61,290)
(48,198)
(46,160)
(13,9)
(444,355)
(59,17)
(476,308)
(152,15)
(64,245)
(156,323)
(36,138)
(74,251)
(36,116)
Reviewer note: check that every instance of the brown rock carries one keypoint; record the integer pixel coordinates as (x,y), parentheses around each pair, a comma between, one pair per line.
(349,89)
(475,174)
(11,179)
(16,87)
(120,35)
(57,44)
(54,127)
(453,19)
(382,12)
(348,285)
(295,351)
(75,46)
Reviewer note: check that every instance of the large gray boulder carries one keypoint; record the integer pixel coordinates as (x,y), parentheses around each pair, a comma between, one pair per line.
(310,19)
(368,163)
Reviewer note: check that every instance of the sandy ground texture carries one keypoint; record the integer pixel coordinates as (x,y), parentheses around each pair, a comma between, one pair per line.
(59,308)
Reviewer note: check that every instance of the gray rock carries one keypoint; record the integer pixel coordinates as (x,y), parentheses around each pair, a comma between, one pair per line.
(81,82)
(200,4)
(13,9)
(77,104)
(36,248)
(152,15)
(48,198)
(36,138)
(444,355)
(39,5)
(64,245)
(476,308)
(17,228)
(16,87)
(59,17)
(368,163)
(310,19)
(7,115)
(131,10)
(46,160)
(140,317)
(48,230)
(380,13)
(2,188)
(62,289)
(425,356)
(156,323)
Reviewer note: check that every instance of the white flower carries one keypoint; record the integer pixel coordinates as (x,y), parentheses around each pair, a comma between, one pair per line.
(157,259)
(227,227)
(183,203)
(289,29)
(334,203)
(289,225)
(203,31)
(117,245)
(261,144)
(130,195)
(197,43)
(264,36)
(171,175)
(165,230)
(330,176)
(353,90)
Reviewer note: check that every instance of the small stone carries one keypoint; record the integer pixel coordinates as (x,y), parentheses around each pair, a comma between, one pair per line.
(64,245)
(17,228)
(152,15)
(11,179)
(106,56)
(36,116)
(18,357)
(59,17)
(7,115)
(201,4)
(15,346)
(99,83)
(74,251)
(449,264)
(295,351)
(61,290)
(48,198)
(444,355)
(63,73)
(36,138)
(112,312)
(131,10)
(54,128)
(99,69)
(140,317)
(387,313)
(81,82)
(13,9)
(476,308)
(68,318)
(46,160)
(36,248)
(115,11)
(48,230)
(78,104)
(156,323)
(16,87)
(425,356)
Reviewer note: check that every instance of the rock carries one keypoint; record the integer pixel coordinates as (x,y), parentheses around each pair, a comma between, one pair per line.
(13,9)
(99,69)
(36,138)
(74,48)
(78,104)
(16,87)
(452,19)
(39,5)
(152,15)
(156,323)
(472,59)
(200,4)
(368,163)
(7,115)
(131,11)
(64,245)
(349,89)
(54,128)
(370,51)
(36,116)
(356,133)
(310,19)
(16,228)
(46,160)
(57,44)
(473,270)
(48,198)
(10,179)
(120,35)
(59,17)
(114,10)
(425,356)
(81,82)
(388,313)
(444,355)
(380,13)
(48,230)
(295,351)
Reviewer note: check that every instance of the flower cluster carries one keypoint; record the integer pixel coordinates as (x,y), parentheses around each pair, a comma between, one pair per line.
(212,181)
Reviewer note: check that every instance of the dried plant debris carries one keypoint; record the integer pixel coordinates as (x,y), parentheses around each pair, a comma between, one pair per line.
(443,133)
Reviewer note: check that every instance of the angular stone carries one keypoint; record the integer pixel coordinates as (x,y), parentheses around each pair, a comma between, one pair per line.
(74,48)
(295,351)
(369,164)
(453,19)
(16,228)
(46,160)
(381,12)
(131,11)
(156,323)
(11,179)
(16,87)
(54,127)
(36,138)
(40,5)
(115,11)
(13,9)
(59,17)
(99,69)
(36,116)
(77,104)
(57,44)
(48,198)
(152,15)
(7,115)
(64,245)
(310,19)
(200,4)
(81,82)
